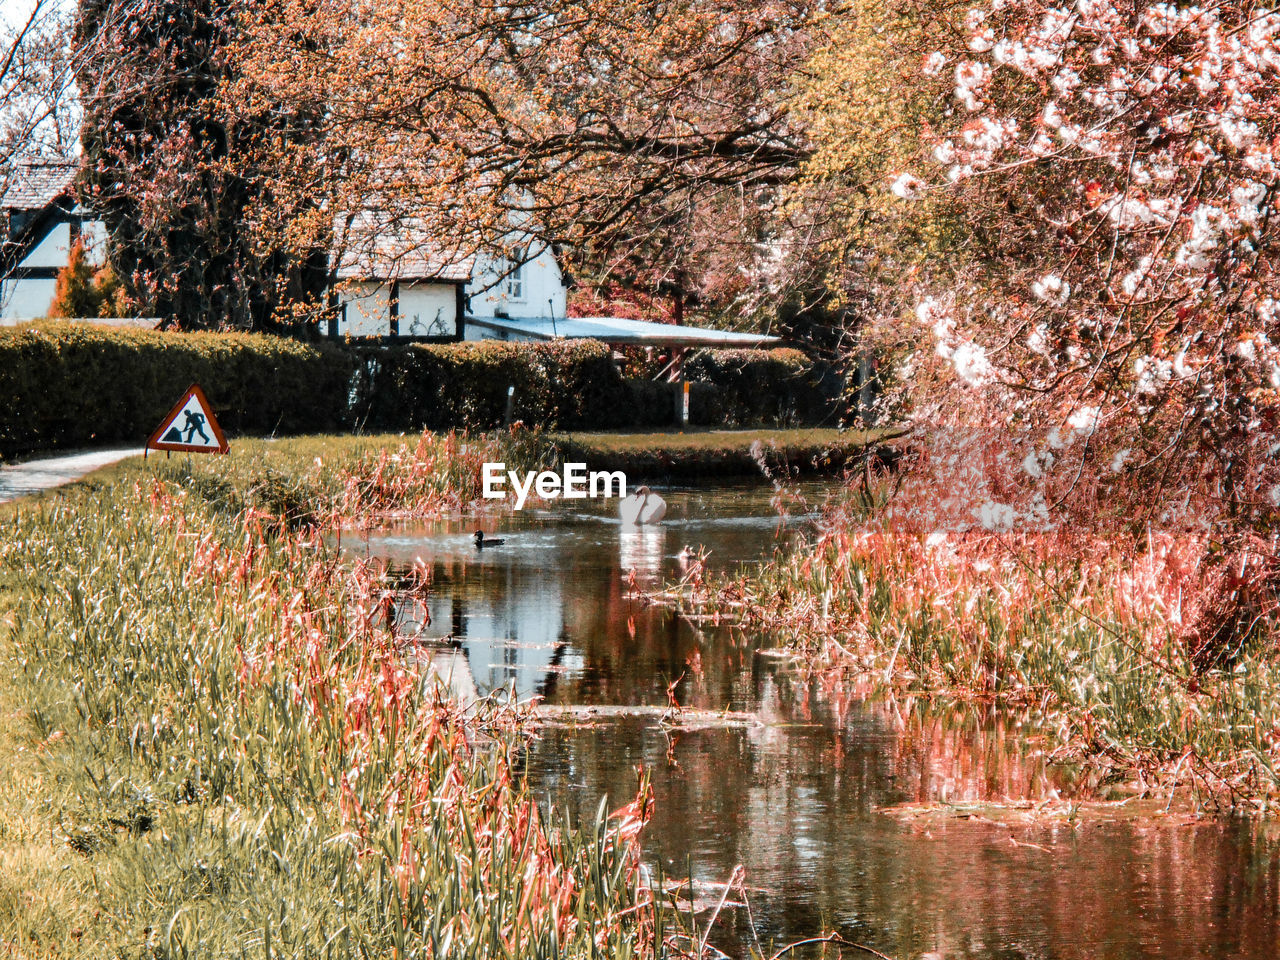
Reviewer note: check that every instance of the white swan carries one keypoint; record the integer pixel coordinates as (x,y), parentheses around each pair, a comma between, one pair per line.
(643,506)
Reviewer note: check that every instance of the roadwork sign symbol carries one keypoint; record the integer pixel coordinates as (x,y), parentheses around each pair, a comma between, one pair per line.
(190,426)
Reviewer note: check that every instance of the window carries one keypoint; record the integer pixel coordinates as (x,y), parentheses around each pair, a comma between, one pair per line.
(17,220)
(515,273)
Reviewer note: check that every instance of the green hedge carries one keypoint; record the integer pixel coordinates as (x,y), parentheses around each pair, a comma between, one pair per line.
(756,386)
(68,385)
(570,385)
(72,385)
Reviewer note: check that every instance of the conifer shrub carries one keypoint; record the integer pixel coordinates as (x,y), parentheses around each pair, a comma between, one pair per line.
(83,291)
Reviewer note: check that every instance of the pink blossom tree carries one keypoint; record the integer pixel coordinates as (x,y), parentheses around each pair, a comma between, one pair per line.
(1116,165)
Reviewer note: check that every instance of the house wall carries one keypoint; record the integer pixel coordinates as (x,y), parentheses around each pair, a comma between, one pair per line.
(542,281)
(51,251)
(428,310)
(30,297)
(25,299)
(425,309)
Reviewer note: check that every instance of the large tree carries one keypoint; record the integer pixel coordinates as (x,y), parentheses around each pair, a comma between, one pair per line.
(160,168)
(38,116)
(638,137)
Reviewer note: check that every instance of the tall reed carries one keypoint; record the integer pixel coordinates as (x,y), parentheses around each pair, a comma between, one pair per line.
(1105,637)
(247,763)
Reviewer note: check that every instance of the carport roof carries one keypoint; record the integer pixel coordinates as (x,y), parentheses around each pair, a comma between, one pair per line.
(621,331)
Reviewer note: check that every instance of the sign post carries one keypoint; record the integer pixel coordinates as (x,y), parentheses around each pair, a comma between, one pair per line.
(190,426)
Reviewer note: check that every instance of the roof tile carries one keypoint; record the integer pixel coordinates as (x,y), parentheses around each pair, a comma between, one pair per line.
(37,182)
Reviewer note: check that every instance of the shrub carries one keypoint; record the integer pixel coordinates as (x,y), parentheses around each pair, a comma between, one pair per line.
(83,291)
(652,403)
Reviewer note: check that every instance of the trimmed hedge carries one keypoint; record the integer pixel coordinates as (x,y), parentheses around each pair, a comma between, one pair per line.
(69,385)
(569,384)
(66,385)
(756,386)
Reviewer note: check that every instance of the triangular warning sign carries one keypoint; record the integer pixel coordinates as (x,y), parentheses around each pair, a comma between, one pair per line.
(190,426)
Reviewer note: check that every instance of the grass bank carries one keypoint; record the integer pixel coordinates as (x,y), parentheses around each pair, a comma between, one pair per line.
(215,747)
(698,453)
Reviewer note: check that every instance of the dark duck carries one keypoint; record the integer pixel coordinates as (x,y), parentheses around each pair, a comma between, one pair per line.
(481,542)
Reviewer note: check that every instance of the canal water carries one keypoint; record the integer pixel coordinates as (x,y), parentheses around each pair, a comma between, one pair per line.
(815,802)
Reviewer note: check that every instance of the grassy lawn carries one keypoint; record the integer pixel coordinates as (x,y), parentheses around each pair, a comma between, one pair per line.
(699,452)
(318,468)
(698,438)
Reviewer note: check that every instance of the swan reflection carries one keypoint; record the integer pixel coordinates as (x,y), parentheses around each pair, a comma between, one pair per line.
(641,548)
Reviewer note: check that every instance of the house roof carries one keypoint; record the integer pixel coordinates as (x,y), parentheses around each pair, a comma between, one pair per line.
(36,182)
(620,331)
(377,248)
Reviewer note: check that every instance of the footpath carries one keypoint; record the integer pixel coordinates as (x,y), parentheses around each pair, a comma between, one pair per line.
(22,479)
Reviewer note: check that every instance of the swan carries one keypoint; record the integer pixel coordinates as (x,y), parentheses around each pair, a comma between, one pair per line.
(481,542)
(643,506)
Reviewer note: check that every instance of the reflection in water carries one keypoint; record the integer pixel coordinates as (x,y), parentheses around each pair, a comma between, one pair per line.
(449,669)
(640,548)
(800,801)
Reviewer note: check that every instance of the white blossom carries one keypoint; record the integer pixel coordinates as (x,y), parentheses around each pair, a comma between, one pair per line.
(971,77)
(1248,199)
(1246,350)
(998,517)
(1206,222)
(907,186)
(1038,340)
(1052,289)
(1084,420)
(1152,374)
(971,364)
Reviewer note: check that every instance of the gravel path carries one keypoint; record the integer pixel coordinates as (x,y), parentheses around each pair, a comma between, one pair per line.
(21,479)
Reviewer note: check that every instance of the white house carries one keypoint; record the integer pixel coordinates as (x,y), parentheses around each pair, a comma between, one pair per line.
(40,220)
(393,278)
(391,281)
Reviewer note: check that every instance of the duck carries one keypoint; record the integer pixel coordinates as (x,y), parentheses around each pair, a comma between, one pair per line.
(481,542)
(643,506)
